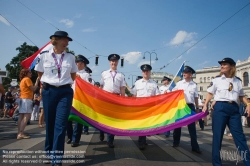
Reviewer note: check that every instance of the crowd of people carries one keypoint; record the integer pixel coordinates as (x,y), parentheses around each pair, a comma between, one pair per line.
(51,100)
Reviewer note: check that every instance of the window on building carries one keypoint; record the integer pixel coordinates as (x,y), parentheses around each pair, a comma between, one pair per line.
(208,79)
(201,88)
(201,80)
(204,79)
(245,79)
(201,97)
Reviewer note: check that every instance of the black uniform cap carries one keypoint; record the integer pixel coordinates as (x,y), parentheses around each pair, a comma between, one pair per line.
(166,78)
(113,57)
(83,59)
(87,69)
(188,69)
(97,83)
(228,60)
(61,34)
(146,67)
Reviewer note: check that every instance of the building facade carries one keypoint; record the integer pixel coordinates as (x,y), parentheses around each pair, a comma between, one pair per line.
(204,76)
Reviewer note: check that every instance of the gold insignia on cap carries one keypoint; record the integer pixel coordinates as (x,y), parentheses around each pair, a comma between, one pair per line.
(145,66)
(114,55)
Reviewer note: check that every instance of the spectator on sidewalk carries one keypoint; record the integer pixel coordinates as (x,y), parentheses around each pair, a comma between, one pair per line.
(36,103)
(2,92)
(8,102)
(26,103)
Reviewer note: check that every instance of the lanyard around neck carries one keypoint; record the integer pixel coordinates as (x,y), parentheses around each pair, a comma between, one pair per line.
(113,76)
(59,66)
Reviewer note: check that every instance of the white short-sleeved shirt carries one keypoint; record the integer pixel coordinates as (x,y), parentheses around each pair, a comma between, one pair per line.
(112,81)
(164,88)
(84,75)
(145,88)
(47,65)
(190,90)
(220,85)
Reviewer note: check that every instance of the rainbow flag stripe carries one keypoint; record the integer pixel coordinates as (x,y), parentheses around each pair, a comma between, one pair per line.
(130,116)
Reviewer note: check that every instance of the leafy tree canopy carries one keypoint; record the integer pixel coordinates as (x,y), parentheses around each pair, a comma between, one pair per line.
(14,66)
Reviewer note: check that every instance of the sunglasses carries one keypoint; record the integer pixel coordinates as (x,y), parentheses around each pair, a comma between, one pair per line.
(231,86)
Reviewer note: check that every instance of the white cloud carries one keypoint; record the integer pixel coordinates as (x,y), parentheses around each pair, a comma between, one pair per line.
(183,37)
(88,30)
(2,19)
(131,57)
(68,23)
(77,16)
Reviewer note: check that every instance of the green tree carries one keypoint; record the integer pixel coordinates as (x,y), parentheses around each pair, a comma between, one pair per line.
(14,66)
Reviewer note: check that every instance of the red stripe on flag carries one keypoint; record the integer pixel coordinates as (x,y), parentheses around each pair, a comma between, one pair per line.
(28,61)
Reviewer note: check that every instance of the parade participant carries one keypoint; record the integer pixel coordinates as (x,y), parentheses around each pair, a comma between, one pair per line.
(145,87)
(57,70)
(2,92)
(41,116)
(8,102)
(90,80)
(112,81)
(25,102)
(227,89)
(74,136)
(97,84)
(164,89)
(200,104)
(191,96)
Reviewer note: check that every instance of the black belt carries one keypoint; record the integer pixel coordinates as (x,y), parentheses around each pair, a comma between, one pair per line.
(190,104)
(229,102)
(53,86)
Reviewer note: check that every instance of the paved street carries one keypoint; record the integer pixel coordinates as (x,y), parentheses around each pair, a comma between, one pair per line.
(126,152)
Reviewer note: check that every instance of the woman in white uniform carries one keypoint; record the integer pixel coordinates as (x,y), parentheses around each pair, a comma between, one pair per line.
(57,70)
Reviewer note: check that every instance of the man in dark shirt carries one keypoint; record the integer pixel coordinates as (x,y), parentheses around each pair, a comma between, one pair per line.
(8,102)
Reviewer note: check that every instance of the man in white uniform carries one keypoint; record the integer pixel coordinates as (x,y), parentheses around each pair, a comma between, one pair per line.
(191,96)
(113,82)
(145,87)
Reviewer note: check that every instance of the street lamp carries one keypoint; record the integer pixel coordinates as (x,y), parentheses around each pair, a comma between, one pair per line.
(150,56)
(132,78)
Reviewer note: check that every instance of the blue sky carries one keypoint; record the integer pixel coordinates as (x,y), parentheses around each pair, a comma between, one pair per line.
(130,28)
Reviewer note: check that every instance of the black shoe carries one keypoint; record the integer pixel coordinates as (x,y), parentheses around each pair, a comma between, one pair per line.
(110,145)
(197,151)
(202,129)
(175,145)
(141,146)
(86,133)
(68,141)
(74,144)
(101,137)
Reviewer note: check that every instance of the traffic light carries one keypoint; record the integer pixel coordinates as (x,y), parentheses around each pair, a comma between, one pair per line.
(122,61)
(96,60)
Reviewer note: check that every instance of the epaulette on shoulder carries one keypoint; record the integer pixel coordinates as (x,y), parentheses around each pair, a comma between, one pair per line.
(217,76)
(238,78)
(44,52)
(70,53)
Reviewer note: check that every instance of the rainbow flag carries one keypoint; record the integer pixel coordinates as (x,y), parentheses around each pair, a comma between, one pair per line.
(130,116)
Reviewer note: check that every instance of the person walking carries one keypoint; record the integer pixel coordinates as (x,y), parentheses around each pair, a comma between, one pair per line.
(191,96)
(57,70)
(74,135)
(112,81)
(165,89)
(227,89)
(145,87)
